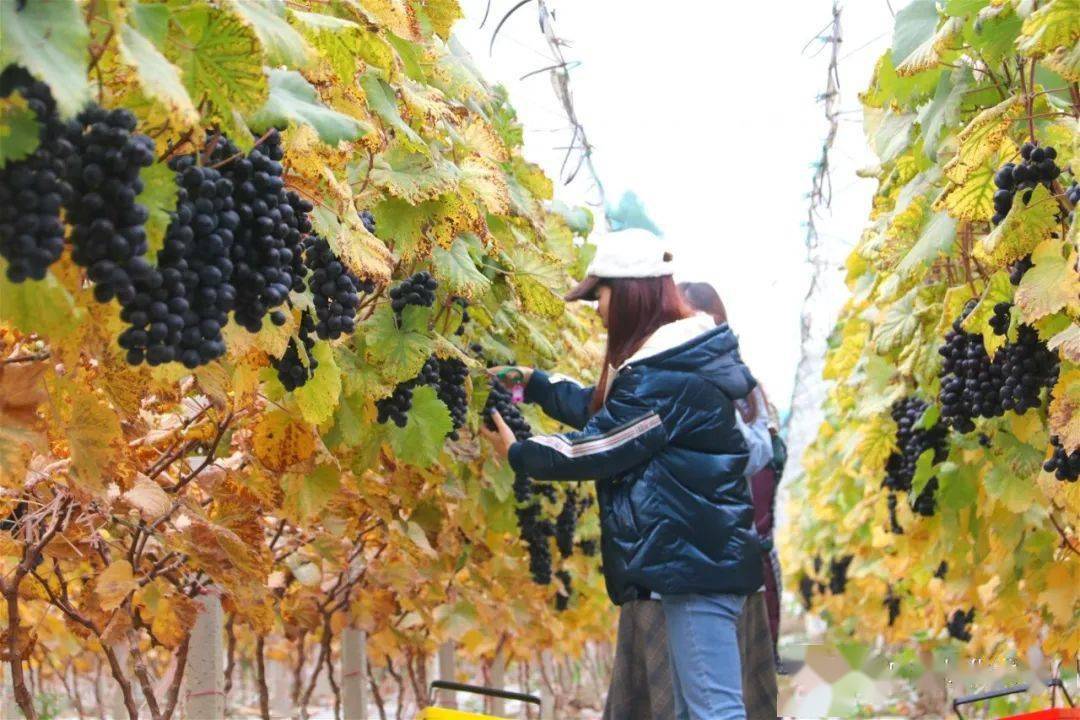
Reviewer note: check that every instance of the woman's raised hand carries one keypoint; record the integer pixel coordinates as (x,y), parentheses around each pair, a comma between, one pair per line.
(511,375)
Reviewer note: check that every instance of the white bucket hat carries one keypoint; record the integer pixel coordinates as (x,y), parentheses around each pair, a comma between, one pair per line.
(630,253)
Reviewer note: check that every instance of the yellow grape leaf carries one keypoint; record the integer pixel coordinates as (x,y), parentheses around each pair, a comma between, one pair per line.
(44,307)
(1054,25)
(999,289)
(1068,340)
(843,358)
(1061,595)
(363,253)
(397,16)
(443,14)
(928,54)
(318,397)
(1026,225)
(972,199)
(93,435)
(307,494)
(981,139)
(279,442)
(425,104)
(533,178)
(148,498)
(158,78)
(1051,284)
(876,441)
(1065,61)
(341,42)
(482,139)
(114,584)
(412,176)
(171,615)
(1064,413)
(487,180)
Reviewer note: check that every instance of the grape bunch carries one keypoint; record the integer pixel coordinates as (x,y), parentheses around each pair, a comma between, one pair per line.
(396,406)
(1027,366)
(970,382)
(291,370)
(451,390)
(107,234)
(942,570)
(418,289)
(566,523)
(589,547)
(838,569)
(806,591)
(464,304)
(1073,194)
(562,597)
(1037,166)
(500,400)
(1001,318)
(1065,466)
(181,305)
(911,442)
(335,289)
(267,244)
(1018,268)
(959,624)
(534,530)
(894,523)
(925,502)
(368,220)
(33,189)
(892,605)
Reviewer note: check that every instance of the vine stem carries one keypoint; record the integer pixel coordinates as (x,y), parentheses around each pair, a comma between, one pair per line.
(1065,540)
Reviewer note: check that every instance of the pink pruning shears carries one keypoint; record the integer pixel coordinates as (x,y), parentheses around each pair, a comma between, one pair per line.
(514,380)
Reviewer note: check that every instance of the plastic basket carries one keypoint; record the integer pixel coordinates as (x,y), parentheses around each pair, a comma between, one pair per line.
(438,713)
(1069,713)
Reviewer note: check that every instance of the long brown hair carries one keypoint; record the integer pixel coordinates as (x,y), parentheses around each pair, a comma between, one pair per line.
(638,307)
(703,297)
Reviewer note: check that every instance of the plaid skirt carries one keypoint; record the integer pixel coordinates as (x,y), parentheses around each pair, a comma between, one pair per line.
(641,687)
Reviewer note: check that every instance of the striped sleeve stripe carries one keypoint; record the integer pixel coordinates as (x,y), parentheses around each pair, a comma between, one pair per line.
(609,441)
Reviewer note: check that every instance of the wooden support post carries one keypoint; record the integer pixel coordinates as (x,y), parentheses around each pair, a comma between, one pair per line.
(447,671)
(205,674)
(498,680)
(354,677)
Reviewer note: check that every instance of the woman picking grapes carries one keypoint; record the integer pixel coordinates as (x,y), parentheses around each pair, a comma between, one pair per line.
(658,433)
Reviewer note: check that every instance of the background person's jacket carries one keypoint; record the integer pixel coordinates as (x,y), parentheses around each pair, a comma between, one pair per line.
(675,509)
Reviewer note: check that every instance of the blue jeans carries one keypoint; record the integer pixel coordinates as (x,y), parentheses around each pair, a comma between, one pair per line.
(705,655)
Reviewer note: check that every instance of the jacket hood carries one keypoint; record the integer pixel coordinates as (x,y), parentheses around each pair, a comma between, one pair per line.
(696,344)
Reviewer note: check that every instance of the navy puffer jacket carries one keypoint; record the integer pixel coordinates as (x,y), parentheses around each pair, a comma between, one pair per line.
(675,509)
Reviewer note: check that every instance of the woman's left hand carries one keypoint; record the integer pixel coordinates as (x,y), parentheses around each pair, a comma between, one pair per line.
(502,437)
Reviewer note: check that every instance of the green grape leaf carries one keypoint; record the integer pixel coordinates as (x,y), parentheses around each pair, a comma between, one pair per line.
(318,397)
(49,39)
(1055,24)
(420,442)
(956,8)
(915,24)
(413,177)
(158,78)
(382,100)
(924,470)
(1051,284)
(456,269)
(958,486)
(898,324)
(44,306)
(221,62)
(159,198)
(1065,61)
(93,435)
(400,353)
(993,33)
(151,20)
(307,495)
(348,428)
(1026,225)
(938,116)
(283,44)
(893,135)
(888,87)
(578,218)
(19,129)
(936,239)
(1016,491)
(294,100)
(340,42)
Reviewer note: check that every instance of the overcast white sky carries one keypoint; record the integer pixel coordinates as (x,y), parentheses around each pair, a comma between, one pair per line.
(709,112)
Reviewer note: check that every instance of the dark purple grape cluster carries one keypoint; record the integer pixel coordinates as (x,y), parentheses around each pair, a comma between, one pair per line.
(838,570)
(1037,166)
(419,289)
(464,305)
(1065,466)
(892,605)
(970,383)
(1073,194)
(562,596)
(181,305)
(589,547)
(368,220)
(942,570)
(1018,268)
(273,223)
(535,531)
(911,442)
(1027,367)
(451,390)
(334,288)
(500,400)
(566,522)
(925,503)
(33,189)
(1001,318)
(959,624)
(396,406)
(894,523)
(291,370)
(108,235)
(807,587)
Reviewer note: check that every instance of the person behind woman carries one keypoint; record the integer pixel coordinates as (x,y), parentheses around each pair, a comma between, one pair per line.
(760,623)
(659,434)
